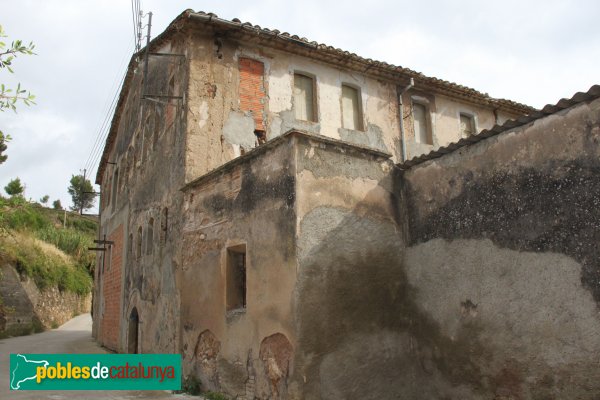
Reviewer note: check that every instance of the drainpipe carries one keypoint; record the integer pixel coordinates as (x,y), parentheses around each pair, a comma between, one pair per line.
(401,106)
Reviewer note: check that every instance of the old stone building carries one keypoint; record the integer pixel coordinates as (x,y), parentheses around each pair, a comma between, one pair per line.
(301,223)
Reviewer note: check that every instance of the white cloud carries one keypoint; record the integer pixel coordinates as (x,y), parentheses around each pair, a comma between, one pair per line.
(534,52)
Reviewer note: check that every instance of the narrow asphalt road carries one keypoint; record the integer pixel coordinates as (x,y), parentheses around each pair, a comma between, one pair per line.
(73,337)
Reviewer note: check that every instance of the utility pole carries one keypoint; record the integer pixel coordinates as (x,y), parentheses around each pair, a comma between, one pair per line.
(139,32)
(146,55)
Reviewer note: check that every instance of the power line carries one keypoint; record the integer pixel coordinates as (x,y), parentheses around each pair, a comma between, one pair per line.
(133,18)
(100,137)
(115,88)
(103,132)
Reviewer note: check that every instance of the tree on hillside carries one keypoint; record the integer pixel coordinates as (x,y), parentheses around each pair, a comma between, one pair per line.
(3,141)
(10,97)
(44,199)
(57,205)
(82,193)
(14,188)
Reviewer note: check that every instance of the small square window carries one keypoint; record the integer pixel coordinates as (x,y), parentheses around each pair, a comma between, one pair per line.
(467,125)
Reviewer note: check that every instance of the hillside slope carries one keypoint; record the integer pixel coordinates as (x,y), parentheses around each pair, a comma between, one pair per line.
(46,267)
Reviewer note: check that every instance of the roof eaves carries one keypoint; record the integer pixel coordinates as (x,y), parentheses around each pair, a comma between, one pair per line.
(578,98)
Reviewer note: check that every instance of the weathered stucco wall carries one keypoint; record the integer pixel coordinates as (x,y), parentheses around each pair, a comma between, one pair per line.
(220,129)
(444,120)
(503,261)
(249,203)
(349,288)
(149,154)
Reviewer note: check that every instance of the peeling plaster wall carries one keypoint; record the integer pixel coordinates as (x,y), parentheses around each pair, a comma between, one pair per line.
(503,262)
(349,249)
(219,130)
(251,203)
(149,154)
(444,120)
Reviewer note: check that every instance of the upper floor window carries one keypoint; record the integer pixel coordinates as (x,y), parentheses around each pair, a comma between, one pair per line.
(150,236)
(304,98)
(138,243)
(421,124)
(115,187)
(351,108)
(467,125)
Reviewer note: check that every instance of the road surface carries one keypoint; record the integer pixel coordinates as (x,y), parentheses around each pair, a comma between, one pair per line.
(73,337)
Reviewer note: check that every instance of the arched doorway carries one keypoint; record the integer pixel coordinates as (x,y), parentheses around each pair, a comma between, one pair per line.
(132,337)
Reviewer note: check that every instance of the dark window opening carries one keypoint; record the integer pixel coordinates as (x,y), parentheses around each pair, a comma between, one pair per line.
(138,251)
(130,245)
(150,236)
(236,277)
(115,187)
(133,328)
(261,137)
(164,224)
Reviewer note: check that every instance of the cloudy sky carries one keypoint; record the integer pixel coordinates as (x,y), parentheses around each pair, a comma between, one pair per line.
(533,52)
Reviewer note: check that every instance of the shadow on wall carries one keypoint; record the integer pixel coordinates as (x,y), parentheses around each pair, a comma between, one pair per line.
(361,333)
(462,319)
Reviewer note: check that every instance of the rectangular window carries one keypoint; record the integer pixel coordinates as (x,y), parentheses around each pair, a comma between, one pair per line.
(467,125)
(150,237)
(236,277)
(304,97)
(351,108)
(252,90)
(115,187)
(421,124)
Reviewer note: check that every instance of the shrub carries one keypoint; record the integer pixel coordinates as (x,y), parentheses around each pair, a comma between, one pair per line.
(49,270)
(214,396)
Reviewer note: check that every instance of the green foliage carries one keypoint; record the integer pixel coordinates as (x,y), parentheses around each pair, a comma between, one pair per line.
(47,269)
(81,191)
(32,222)
(44,199)
(71,241)
(215,396)
(191,385)
(57,205)
(3,147)
(10,97)
(14,187)
(83,225)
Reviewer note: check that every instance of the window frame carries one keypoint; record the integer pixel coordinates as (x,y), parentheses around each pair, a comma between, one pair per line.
(315,103)
(114,193)
(472,117)
(139,241)
(361,121)
(232,291)
(150,236)
(428,122)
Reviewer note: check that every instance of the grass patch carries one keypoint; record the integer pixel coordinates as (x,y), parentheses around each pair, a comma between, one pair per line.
(215,396)
(67,264)
(191,385)
(44,267)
